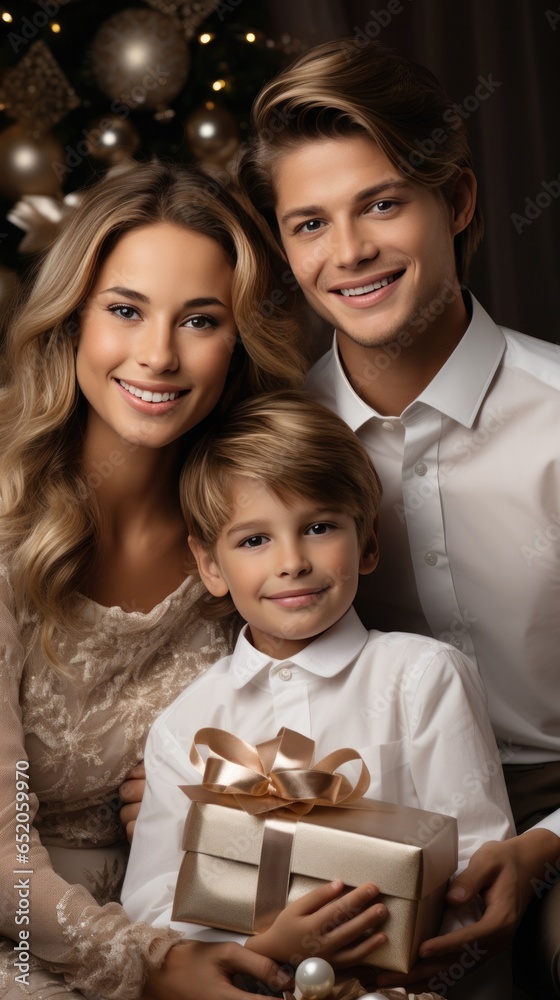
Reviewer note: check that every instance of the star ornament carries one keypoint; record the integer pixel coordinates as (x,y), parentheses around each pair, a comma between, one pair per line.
(187,16)
(36,92)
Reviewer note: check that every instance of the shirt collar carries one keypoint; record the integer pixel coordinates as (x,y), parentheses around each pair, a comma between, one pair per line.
(457,390)
(326,656)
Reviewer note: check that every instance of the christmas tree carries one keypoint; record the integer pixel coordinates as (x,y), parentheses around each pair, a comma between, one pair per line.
(88,84)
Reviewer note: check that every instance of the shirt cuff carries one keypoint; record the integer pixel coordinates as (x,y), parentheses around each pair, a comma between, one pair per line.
(551,823)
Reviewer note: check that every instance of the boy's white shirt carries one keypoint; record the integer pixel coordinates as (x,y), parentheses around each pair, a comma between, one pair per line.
(414,708)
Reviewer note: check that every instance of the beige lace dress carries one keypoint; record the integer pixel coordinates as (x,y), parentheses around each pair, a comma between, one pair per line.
(81,733)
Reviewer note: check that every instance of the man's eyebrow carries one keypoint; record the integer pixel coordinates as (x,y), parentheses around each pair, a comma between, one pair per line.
(369,192)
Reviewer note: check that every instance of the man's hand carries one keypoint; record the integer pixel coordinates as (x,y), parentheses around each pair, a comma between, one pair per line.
(131,792)
(502,873)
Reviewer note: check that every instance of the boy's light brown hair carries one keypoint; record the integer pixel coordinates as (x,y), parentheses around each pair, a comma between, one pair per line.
(339,90)
(298,449)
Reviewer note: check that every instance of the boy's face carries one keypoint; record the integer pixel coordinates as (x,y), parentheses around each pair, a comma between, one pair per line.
(292,571)
(368,247)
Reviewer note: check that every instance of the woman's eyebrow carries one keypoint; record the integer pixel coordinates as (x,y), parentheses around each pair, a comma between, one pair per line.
(130,293)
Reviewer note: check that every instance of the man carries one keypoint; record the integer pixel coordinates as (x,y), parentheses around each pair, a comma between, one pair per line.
(363,170)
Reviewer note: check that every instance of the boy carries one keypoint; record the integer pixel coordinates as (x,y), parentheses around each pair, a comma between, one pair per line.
(369,188)
(281,503)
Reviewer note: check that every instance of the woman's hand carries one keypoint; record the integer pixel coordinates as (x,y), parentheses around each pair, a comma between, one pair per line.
(327,924)
(196,969)
(131,792)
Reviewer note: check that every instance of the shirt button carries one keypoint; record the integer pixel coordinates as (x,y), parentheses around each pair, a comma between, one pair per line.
(387,425)
(431,558)
(420,468)
(285,674)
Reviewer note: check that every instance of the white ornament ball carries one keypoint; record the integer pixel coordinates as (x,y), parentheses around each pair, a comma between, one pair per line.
(314,978)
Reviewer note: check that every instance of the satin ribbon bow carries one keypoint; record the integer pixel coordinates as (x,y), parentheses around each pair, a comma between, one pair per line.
(276,774)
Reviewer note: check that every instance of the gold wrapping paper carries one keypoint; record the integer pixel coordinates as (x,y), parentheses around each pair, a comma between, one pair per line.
(227,880)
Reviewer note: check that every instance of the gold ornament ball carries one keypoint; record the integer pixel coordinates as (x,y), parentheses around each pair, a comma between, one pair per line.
(26,163)
(212,133)
(111,139)
(139,58)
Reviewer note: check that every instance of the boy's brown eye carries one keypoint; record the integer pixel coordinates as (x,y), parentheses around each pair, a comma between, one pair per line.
(253,542)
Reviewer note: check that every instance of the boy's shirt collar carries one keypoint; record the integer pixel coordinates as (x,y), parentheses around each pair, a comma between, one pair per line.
(457,390)
(326,656)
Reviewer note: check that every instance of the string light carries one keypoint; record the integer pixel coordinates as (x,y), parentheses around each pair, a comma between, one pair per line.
(55,27)
(250,36)
(218,84)
(205,38)
(7,17)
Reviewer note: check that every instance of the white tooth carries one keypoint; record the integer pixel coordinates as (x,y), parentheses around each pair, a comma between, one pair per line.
(147,395)
(364,289)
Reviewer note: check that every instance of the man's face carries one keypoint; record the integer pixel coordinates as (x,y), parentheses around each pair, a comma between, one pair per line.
(368,247)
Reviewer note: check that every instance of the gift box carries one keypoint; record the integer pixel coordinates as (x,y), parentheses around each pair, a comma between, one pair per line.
(260,833)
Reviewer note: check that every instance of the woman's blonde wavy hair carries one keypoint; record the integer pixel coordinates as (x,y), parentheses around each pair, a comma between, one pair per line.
(343,89)
(49,521)
(295,447)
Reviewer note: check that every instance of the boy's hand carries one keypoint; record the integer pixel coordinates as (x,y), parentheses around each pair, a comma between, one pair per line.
(501,872)
(131,792)
(196,969)
(327,924)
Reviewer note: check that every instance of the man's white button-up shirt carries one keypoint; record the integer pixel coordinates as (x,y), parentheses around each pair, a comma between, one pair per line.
(470,520)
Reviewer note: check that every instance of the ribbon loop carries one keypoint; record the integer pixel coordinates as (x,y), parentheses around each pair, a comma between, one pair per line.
(275,774)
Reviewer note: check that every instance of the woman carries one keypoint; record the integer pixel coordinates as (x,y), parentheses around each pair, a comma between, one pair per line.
(156,308)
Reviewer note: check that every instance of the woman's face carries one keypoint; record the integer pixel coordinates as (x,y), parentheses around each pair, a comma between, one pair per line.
(157,335)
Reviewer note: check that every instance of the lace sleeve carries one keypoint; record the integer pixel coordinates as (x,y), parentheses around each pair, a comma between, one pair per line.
(97,948)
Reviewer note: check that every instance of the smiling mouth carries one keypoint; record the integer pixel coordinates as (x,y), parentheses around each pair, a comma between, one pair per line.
(151,397)
(297,598)
(373,286)
(297,593)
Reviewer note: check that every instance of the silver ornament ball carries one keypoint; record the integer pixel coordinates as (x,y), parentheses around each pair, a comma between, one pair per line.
(212,133)
(112,139)
(314,978)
